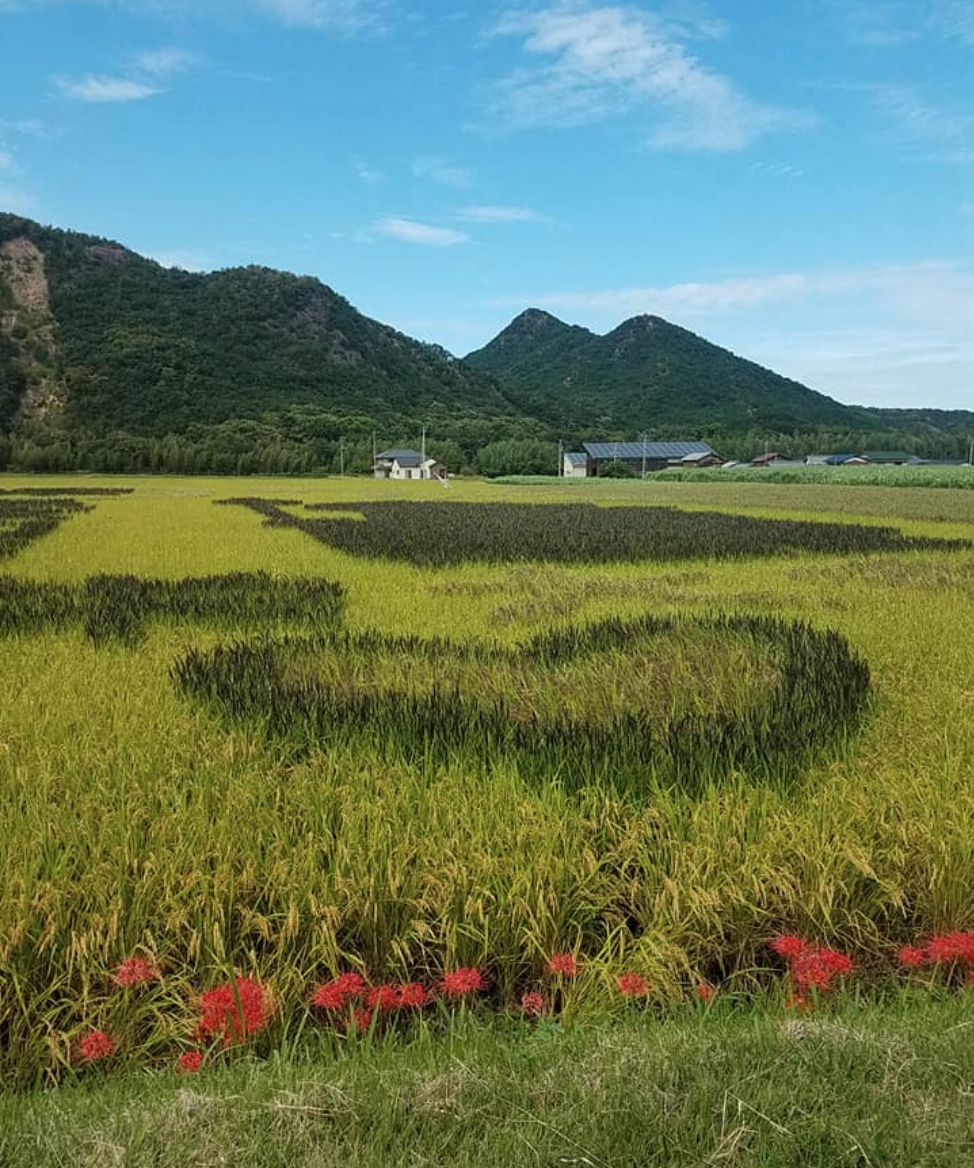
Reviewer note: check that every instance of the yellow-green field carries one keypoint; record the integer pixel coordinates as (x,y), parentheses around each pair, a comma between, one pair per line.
(134,820)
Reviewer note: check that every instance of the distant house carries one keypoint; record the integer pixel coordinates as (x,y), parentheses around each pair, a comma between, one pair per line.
(575,465)
(407,464)
(889,457)
(768,459)
(642,457)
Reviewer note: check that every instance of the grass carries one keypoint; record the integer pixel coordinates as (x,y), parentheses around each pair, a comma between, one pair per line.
(133,819)
(850,1088)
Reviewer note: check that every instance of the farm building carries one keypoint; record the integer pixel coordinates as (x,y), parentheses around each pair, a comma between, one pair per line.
(642,457)
(407,464)
(575,465)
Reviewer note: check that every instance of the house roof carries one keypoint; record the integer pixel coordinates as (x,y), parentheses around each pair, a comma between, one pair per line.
(698,456)
(398,455)
(889,456)
(633,450)
(577,457)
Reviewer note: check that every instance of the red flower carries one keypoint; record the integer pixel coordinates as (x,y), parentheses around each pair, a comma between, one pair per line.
(532,1003)
(383,997)
(412,996)
(336,994)
(135,971)
(632,985)
(911,957)
(952,947)
(233,1010)
(361,1020)
(460,982)
(820,967)
(563,963)
(189,1062)
(96,1045)
(706,993)
(788,946)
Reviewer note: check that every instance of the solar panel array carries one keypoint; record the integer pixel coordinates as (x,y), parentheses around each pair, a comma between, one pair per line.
(630,450)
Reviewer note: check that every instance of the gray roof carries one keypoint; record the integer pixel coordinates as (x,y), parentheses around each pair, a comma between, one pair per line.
(576,457)
(398,455)
(630,450)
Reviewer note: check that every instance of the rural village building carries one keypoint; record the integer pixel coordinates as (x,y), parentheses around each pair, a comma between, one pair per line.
(407,464)
(639,457)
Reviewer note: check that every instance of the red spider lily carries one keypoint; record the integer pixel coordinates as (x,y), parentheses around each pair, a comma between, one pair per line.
(788,946)
(189,1062)
(952,947)
(461,982)
(706,993)
(336,994)
(563,963)
(819,968)
(412,996)
(135,971)
(361,1020)
(633,985)
(532,1003)
(95,1045)
(233,1010)
(912,957)
(383,997)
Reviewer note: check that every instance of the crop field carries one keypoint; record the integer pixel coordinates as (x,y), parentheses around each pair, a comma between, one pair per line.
(578,747)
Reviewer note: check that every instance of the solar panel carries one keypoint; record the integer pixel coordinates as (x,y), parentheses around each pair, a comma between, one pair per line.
(652,450)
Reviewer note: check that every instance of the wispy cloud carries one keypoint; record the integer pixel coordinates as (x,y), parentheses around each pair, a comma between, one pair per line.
(591,63)
(370,175)
(941,290)
(778,169)
(493,214)
(95,88)
(923,127)
(165,63)
(409,231)
(891,24)
(16,200)
(6,160)
(441,170)
(344,16)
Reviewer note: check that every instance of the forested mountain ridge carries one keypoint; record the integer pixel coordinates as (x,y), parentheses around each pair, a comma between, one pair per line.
(110,361)
(648,373)
(96,340)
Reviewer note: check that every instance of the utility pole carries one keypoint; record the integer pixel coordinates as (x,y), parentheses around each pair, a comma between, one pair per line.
(644,456)
(423,447)
(341,456)
(561,447)
(970,453)
(373,450)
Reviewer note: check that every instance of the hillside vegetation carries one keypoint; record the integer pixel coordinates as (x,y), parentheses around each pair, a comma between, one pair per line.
(110,361)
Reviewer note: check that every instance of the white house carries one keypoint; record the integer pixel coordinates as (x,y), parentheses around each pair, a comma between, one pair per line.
(575,465)
(407,464)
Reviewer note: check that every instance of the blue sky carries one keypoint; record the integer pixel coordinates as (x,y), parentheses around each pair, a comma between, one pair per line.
(794,180)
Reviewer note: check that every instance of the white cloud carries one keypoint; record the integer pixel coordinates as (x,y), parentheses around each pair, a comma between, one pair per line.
(94,88)
(891,24)
(409,231)
(16,201)
(923,127)
(491,214)
(165,63)
(935,290)
(441,170)
(591,63)
(370,175)
(333,15)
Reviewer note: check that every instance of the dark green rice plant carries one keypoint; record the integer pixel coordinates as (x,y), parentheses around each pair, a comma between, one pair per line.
(582,705)
(119,607)
(441,534)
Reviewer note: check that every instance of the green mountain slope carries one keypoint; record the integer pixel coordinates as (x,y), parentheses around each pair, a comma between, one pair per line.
(108,341)
(648,374)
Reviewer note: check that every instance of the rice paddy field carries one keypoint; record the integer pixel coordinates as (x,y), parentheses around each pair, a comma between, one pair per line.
(341,726)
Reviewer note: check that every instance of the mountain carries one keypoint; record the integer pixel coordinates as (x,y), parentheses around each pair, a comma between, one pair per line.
(648,374)
(110,361)
(95,339)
